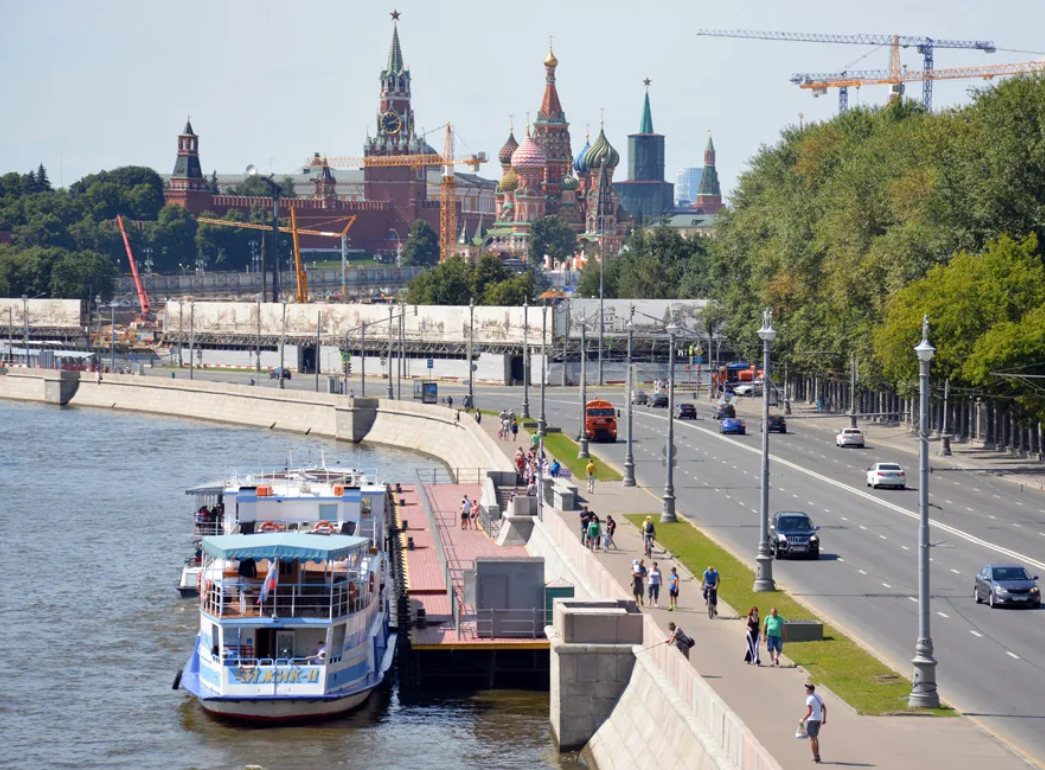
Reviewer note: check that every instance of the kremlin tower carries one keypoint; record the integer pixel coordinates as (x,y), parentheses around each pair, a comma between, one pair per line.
(645,193)
(188,188)
(709,194)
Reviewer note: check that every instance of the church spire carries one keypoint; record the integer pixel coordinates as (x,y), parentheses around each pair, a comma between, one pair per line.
(395,53)
(551,108)
(647,116)
(709,194)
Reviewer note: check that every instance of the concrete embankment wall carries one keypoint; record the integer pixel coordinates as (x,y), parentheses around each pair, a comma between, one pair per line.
(434,430)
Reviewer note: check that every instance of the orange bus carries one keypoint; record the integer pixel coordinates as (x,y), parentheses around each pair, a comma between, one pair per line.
(600,421)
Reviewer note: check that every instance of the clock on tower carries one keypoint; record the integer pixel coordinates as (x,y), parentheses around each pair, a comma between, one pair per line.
(391,123)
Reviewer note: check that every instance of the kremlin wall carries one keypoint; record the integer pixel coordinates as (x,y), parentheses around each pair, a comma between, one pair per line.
(540,176)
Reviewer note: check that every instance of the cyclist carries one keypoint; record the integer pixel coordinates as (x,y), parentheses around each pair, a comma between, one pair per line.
(709,585)
(649,536)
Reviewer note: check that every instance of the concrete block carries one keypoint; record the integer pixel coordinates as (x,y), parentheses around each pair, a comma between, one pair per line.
(629,628)
(804,630)
(573,707)
(608,690)
(567,667)
(580,689)
(607,668)
(587,668)
(575,731)
(625,665)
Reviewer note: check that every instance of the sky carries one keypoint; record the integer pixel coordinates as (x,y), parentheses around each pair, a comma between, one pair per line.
(94,85)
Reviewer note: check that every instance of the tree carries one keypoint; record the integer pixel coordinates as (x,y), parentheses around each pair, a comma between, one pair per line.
(43,184)
(512,291)
(551,236)
(258,187)
(79,275)
(447,283)
(489,271)
(422,247)
(212,184)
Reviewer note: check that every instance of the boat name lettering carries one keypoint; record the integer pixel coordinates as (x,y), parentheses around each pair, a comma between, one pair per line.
(281,676)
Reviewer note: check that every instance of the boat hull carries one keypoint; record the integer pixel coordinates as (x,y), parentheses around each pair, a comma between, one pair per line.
(284,709)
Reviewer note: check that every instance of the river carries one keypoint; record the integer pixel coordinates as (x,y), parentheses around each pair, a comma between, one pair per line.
(94,525)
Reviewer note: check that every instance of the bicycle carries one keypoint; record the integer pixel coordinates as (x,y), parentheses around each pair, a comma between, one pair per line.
(649,546)
(711,599)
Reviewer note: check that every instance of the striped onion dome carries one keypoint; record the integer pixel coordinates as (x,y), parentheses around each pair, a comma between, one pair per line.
(570,182)
(578,162)
(602,152)
(508,182)
(529,155)
(505,155)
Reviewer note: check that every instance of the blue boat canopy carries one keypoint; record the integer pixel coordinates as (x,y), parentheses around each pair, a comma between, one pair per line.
(285,546)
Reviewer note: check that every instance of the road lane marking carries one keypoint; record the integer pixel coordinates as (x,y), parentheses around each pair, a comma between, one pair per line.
(1012,655)
(905,547)
(942,614)
(913,599)
(968,508)
(956,572)
(975,633)
(883,537)
(840,559)
(862,572)
(949,502)
(993,516)
(886,585)
(863,527)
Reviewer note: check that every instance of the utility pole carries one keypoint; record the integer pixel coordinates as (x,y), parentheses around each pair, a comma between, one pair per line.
(629,458)
(764,559)
(668,512)
(319,344)
(192,340)
(362,362)
(526,359)
(264,282)
(258,341)
(391,394)
(283,345)
(542,423)
(471,340)
(602,313)
(945,434)
(275,248)
(852,391)
(344,267)
(399,361)
(181,331)
(582,435)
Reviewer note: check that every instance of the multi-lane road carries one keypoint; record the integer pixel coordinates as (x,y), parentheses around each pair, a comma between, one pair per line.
(991,662)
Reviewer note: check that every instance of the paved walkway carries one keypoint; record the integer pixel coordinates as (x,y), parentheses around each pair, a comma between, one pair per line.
(771,700)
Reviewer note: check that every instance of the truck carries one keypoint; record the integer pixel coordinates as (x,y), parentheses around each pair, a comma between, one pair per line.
(600,421)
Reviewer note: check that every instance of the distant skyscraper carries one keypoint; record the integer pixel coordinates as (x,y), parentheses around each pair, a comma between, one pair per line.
(687,182)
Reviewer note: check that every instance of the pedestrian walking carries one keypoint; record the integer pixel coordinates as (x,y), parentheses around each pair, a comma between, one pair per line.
(608,530)
(590,472)
(475,514)
(466,512)
(679,638)
(655,576)
(585,521)
(774,633)
(815,718)
(752,627)
(594,533)
(673,590)
(450,402)
(638,578)
(515,430)
(649,536)
(556,466)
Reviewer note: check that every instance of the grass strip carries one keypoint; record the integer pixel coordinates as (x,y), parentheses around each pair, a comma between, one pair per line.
(565,449)
(837,662)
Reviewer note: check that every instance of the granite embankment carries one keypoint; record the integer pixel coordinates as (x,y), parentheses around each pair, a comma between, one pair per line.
(434,430)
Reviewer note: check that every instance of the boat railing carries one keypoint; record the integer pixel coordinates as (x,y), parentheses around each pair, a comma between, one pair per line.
(302,526)
(232,598)
(359,476)
(519,624)
(231,658)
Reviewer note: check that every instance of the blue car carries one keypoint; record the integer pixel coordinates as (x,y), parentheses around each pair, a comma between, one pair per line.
(732,425)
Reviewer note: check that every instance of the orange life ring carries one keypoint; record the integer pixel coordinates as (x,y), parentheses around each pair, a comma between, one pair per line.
(323,527)
(269,526)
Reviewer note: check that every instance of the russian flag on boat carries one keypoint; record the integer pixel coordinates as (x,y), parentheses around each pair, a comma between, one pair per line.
(270,581)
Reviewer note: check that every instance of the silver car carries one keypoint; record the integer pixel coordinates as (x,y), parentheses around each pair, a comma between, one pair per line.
(886,475)
(850,437)
(999,584)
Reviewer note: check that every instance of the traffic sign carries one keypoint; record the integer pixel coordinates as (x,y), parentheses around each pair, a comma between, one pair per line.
(346,356)
(698,360)
(699,351)
(674,449)
(431,363)
(687,367)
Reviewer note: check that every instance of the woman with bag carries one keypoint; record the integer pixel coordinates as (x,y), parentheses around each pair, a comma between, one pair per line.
(752,626)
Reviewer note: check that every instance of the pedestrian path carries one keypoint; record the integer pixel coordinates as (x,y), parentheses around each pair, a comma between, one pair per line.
(769,700)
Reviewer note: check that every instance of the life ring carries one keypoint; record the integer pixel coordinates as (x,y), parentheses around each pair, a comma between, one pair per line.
(210,585)
(323,527)
(269,526)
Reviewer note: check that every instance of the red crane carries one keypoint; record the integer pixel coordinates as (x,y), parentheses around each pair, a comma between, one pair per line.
(143,298)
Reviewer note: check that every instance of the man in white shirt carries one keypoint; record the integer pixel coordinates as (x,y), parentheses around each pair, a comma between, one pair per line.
(321,655)
(815,717)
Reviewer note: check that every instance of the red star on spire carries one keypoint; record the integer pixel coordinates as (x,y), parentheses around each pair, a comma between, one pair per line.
(647,82)
(395,15)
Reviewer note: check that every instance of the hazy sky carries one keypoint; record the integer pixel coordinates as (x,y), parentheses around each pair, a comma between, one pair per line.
(93,85)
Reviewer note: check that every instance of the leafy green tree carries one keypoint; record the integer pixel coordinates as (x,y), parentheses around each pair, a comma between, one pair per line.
(489,271)
(43,183)
(553,237)
(422,247)
(81,274)
(588,286)
(447,283)
(512,291)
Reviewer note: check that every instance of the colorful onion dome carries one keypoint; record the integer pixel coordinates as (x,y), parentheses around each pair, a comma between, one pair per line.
(578,161)
(508,182)
(601,152)
(505,155)
(529,155)
(570,182)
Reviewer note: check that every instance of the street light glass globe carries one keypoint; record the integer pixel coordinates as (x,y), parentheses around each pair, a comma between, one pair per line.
(767,334)
(925,351)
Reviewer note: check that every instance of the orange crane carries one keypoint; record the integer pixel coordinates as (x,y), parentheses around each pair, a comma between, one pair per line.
(143,298)
(448,192)
(295,231)
(896,76)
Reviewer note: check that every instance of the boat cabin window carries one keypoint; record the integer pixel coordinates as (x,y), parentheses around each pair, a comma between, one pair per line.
(337,642)
(367,510)
(215,639)
(328,511)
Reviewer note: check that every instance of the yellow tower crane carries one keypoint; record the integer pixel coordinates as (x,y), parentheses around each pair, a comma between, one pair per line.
(448,191)
(295,231)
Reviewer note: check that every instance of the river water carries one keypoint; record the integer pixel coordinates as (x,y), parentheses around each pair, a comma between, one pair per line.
(94,525)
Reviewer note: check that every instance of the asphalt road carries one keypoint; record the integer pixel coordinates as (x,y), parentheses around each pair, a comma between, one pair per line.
(991,662)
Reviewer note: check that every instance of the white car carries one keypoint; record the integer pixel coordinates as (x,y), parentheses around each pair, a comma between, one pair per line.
(850,437)
(749,389)
(886,475)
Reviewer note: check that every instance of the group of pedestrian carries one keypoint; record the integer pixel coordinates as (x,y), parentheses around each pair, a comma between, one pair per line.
(771,630)
(641,591)
(531,463)
(509,425)
(469,513)
(595,534)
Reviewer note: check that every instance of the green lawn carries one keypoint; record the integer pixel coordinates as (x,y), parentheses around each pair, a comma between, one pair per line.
(565,449)
(852,673)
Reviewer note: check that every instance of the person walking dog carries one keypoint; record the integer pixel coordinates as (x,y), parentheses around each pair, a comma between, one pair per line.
(815,718)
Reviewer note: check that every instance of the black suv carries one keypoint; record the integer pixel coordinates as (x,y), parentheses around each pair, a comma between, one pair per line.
(722,411)
(792,533)
(776,423)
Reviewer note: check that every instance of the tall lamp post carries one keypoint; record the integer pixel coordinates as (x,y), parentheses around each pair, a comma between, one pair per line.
(282,345)
(25,326)
(923,684)
(542,423)
(667,514)
(526,358)
(274,188)
(629,458)
(602,313)
(582,435)
(471,339)
(391,393)
(764,569)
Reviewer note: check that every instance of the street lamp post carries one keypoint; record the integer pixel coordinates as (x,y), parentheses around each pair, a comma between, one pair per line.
(542,423)
(362,362)
(629,458)
(526,359)
(764,570)
(391,393)
(852,392)
(192,340)
(602,314)
(471,340)
(582,435)
(667,514)
(401,360)
(282,344)
(923,684)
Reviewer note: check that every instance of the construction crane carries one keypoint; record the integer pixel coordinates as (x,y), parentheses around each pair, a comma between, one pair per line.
(896,76)
(447,190)
(143,298)
(925,46)
(295,231)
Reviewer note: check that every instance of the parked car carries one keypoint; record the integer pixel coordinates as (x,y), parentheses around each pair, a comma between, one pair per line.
(685,412)
(776,423)
(723,411)
(850,437)
(886,475)
(659,401)
(279,373)
(639,397)
(793,533)
(732,425)
(999,584)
